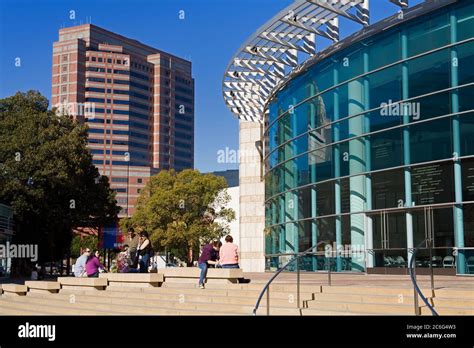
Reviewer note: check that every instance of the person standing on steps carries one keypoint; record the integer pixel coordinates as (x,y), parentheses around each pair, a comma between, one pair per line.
(132,241)
(208,257)
(144,252)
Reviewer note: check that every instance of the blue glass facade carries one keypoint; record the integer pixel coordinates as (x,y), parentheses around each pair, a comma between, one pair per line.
(371,147)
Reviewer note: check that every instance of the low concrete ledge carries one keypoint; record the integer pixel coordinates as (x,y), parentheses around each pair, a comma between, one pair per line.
(14,290)
(139,280)
(191,274)
(82,283)
(42,286)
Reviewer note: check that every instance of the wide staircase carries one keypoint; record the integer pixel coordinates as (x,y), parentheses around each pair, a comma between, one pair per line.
(365,300)
(238,299)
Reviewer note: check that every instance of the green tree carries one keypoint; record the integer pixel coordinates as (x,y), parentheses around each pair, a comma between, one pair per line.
(47,175)
(181,210)
(83,242)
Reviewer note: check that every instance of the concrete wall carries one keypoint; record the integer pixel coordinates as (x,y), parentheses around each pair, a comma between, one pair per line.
(252,195)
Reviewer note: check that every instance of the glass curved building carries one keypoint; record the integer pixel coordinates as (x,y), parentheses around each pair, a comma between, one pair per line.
(369,147)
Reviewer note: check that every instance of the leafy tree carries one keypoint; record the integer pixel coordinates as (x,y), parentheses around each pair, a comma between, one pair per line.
(181,210)
(47,175)
(83,242)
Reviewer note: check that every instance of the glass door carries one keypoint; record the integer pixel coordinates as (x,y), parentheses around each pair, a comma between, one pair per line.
(434,223)
(389,233)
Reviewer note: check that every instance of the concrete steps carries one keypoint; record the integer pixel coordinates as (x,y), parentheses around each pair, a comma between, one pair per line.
(209,292)
(6,308)
(359,298)
(150,306)
(371,290)
(118,306)
(453,302)
(389,301)
(27,306)
(445,310)
(359,307)
(237,299)
(203,299)
(250,286)
(51,306)
(315,312)
(125,306)
(467,294)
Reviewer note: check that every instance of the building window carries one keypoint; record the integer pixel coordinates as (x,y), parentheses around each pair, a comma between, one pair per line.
(64,68)
(100,60)
(119,61)
(64,89)
(94,59)
(64,78)
(65,58)
(139,180)
(115,179)
(109,60)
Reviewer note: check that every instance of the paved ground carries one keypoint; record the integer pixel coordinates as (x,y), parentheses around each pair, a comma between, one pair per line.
(466,282)
(365,279)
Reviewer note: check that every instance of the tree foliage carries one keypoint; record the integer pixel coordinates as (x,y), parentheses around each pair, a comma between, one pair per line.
(83,242)
(181,210)
(47,175)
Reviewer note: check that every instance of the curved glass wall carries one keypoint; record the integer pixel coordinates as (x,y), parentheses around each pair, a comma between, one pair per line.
(371,150)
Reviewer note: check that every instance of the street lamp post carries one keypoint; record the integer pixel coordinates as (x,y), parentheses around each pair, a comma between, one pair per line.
(127,158)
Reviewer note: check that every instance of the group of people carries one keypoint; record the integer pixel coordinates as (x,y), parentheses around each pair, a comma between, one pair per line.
(134,259)
(137,252)
(88,264)
(218,255)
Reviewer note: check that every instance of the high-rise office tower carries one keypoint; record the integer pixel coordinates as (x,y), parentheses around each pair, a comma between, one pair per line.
(137,100)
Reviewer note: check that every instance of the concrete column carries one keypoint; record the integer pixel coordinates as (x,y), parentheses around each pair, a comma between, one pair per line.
(294,178)
(252,197)
(458,208)
(312,169)
(282,238)
(337,171)
(357,165)
(369,239)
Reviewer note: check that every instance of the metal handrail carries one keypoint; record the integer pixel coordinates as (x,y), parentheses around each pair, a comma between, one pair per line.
(296,258)
(412,271)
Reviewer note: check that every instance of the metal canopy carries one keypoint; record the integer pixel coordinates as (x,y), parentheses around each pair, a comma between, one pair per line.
(282,45)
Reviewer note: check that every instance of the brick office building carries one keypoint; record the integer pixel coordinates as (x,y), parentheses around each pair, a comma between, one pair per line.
(137,100)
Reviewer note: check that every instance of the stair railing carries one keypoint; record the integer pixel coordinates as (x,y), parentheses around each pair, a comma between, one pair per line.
(296,258)
(412,271)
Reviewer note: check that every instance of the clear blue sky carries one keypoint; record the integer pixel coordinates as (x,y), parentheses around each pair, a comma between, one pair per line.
(208,36)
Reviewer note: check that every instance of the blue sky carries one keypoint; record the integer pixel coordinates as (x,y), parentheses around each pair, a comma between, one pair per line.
(209,35)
